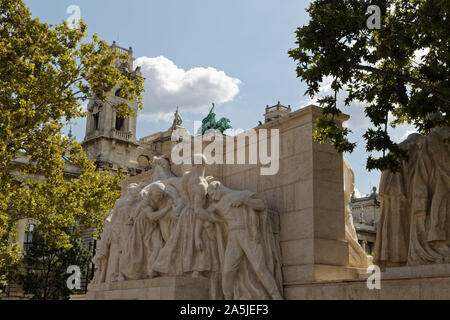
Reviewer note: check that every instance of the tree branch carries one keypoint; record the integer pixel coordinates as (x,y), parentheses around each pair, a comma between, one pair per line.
(416,82)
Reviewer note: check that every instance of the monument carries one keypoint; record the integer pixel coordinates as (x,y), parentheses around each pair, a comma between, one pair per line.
(185,227)
(226,231)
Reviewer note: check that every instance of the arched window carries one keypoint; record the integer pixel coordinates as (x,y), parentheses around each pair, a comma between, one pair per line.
(143,161)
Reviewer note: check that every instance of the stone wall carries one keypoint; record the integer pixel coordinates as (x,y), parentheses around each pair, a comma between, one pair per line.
(308,193)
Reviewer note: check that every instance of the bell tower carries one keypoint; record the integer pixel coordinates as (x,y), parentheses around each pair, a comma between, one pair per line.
(110,139)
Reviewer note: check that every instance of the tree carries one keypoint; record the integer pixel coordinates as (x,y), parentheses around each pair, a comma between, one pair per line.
(47,73)
(380,68)
(46,274)
(9,255)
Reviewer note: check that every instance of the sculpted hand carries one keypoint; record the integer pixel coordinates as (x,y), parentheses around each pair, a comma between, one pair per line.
(237,203)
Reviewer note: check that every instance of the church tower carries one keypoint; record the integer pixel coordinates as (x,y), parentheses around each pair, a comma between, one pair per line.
(109,139)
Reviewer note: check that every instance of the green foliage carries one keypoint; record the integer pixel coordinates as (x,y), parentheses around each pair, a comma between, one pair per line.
(378,68)
(47,73)
(9,253)
(46,274)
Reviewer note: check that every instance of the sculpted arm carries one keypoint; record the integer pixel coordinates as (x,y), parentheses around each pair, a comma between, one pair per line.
(156,215)
(198,205)
(134,213)
(256,204)
(209,214)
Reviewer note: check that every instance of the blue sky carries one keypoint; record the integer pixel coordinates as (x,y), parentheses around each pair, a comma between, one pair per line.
(196,52)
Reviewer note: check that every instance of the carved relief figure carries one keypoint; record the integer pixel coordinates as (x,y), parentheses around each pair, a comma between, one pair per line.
(102,252)
(430,204)
(184,253)
(248,265)
(145,239)
(164,229)
(414,227)
(357,256)
(112,239)
(123,222)
(392,243)
(161,170)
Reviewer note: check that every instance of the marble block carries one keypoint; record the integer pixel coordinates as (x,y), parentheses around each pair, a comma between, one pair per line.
(164,288)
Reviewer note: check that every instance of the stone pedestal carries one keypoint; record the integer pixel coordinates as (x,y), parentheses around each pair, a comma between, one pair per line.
(430,282)
(165,288)
(308,192)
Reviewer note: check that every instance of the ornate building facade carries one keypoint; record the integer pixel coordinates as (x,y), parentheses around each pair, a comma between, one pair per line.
(111,140)
(366,214)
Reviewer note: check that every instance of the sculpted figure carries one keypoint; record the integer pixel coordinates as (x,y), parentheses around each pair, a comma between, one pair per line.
(395,194)
(177,121)
(415,222)
(146,239)
(430,202)
(116,230)
(184,253)
(357,256)
(102,252)
(112,238)
(249,261)
(124,220)
(116,233)
(161,169)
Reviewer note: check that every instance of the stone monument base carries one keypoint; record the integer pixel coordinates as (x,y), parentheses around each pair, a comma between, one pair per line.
(427,282)
(164,288)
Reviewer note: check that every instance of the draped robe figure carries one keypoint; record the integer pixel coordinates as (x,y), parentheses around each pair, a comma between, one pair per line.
(161,170)
(357,256)
(124,222)
(103,251)
(183,254)
(393,235)
(112,265)
(116,232)
(145,239)
(430,227)
(251,264)
(164,229)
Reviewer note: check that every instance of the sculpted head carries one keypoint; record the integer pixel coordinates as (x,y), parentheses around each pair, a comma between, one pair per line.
(159,161)
(156,191)
(215,190)
(133,189)
(412,141)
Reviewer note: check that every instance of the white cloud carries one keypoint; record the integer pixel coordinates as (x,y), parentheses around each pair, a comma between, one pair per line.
(407,133)
(419,54)
(358,120)
(168,86)
(357,193)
